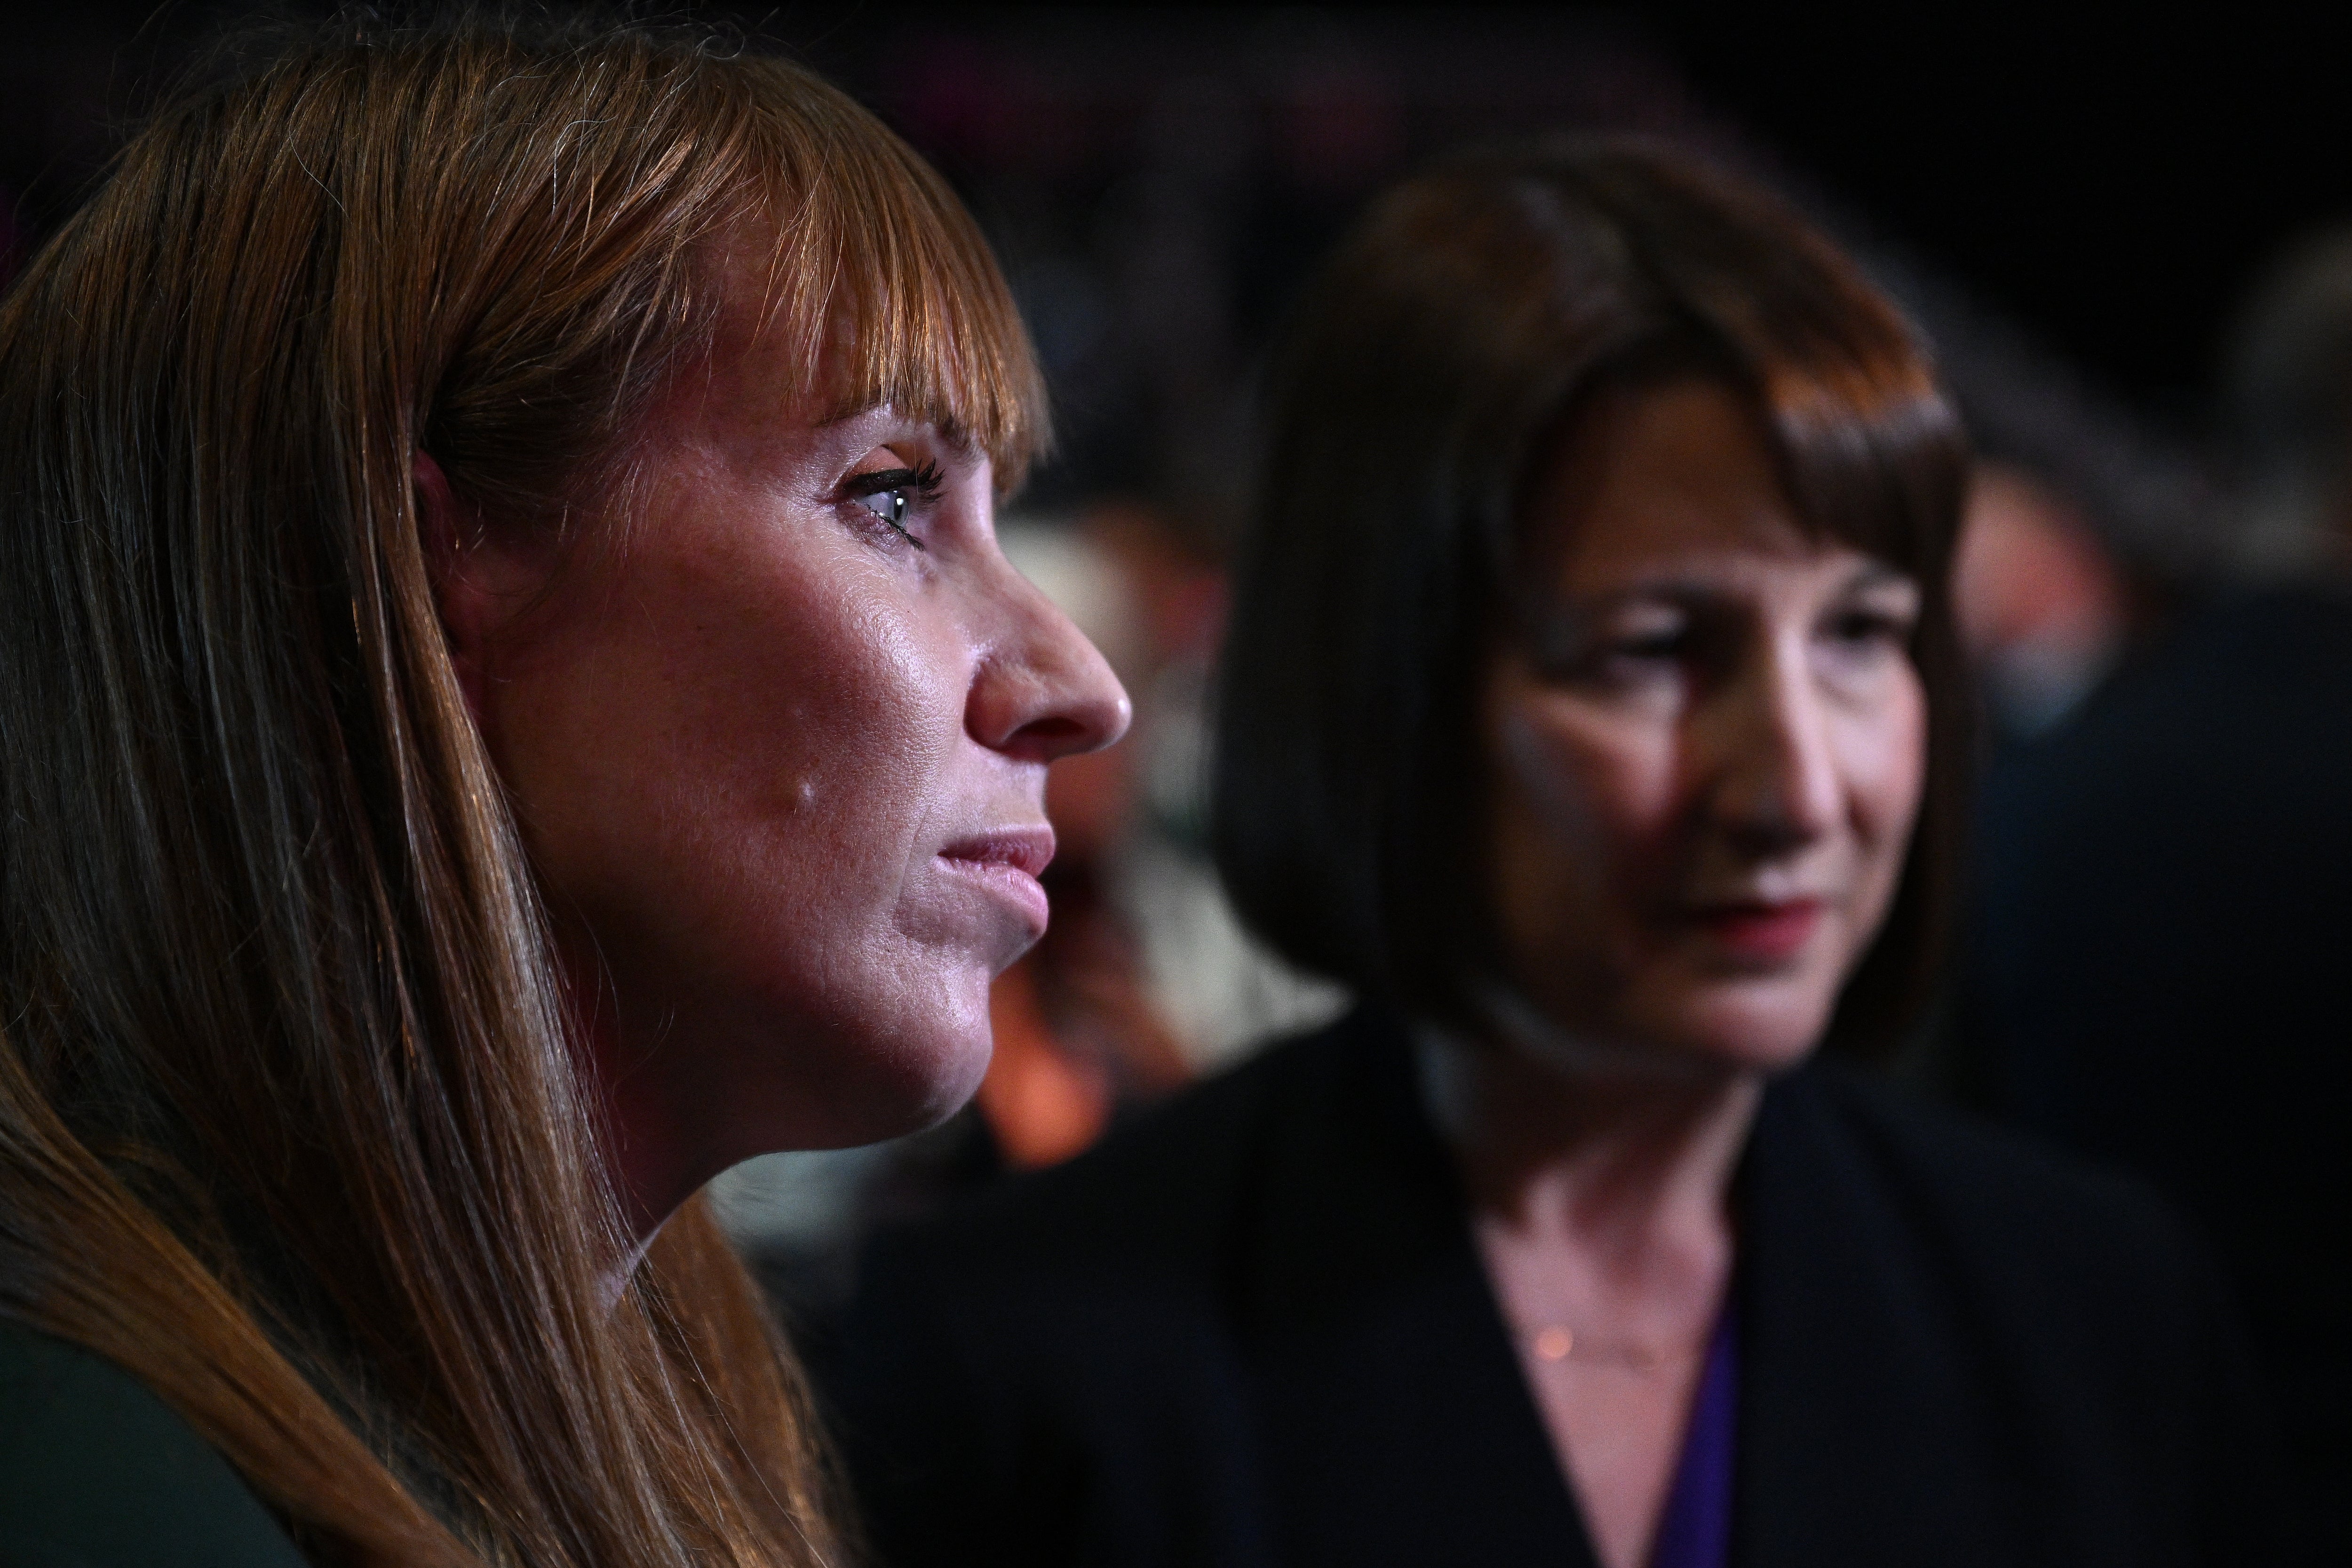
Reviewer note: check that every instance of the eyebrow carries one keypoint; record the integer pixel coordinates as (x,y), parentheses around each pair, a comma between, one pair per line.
(1874,574)
(1868,573)
(949,434)
(1868,576)
(882,413)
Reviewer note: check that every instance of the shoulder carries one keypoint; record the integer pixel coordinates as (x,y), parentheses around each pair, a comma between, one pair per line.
(1140,1235)
(1166,1183)
(96,1471)
(1960,1163)
(1081,1353)
(2008,1311)
(2005,1216)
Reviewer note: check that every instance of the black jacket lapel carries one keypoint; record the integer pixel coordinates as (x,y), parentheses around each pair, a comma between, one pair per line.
(1393,1412)
(1865,1438)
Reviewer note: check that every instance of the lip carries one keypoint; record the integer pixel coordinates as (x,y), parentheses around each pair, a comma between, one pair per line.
(1008,861)
(1760,930)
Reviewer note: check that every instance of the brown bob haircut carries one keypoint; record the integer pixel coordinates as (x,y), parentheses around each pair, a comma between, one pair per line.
(1431,367)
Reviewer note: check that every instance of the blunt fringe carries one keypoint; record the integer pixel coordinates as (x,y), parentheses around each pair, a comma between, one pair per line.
(290,1128)
(1470,313)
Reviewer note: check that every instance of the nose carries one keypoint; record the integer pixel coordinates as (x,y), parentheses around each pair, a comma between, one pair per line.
(1774,785)
(1043,690)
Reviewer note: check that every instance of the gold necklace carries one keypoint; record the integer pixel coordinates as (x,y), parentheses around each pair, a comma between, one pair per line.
(1556,1342)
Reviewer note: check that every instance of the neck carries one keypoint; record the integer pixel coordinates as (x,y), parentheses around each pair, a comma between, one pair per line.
(649,1179)
(1605,1149)
(637,1133)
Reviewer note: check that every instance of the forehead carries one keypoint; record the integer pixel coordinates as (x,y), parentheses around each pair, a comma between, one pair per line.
(818,318)
(773,357)
(769,372)
(1671,480)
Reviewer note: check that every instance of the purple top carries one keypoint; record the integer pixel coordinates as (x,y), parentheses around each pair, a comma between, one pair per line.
(1695,1530)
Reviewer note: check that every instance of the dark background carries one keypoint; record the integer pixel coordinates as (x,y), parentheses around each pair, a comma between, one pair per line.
(2116,188)
(2112,189)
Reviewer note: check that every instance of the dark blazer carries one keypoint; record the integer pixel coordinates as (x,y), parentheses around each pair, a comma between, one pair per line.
(96,1472)
(1251,1331)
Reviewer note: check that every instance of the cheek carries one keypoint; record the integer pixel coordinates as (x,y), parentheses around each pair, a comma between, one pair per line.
(819,769)
(860,718)
(727,772)
(1584,807)
(1886,764)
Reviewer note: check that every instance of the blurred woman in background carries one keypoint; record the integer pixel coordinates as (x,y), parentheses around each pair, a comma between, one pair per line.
(1591,708)
(511,704)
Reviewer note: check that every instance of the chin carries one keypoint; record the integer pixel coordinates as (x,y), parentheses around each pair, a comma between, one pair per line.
(952,1087)
(1751,1028)
(946,1051)
(897,1097)
(896,1065)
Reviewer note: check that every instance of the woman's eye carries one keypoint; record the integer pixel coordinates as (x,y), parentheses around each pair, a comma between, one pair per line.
(1646,645)
(1614,645)
(1864,627)
(1626,659)
(1610,655)
(891,506)
(1862,644)
(1650,646)
(892,496)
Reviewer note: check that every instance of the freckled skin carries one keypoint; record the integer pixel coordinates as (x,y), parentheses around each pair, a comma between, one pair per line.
(736,745)
(1772,748)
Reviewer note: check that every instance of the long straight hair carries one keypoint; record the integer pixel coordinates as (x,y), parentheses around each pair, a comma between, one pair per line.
(289,1125)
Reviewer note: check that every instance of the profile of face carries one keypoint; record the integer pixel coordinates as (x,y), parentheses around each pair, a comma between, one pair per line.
(778,756)
(1706,754)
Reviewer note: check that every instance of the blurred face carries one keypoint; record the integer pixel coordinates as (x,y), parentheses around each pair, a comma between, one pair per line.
(1707,754)
(780,757)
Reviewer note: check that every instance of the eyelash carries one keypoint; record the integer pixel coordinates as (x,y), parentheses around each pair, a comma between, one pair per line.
(1665,644)
(921,483)
(1867,625)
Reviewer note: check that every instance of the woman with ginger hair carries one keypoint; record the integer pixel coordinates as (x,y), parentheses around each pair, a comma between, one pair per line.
(511,704)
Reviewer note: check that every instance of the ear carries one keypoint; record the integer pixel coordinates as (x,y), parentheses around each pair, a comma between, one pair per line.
(470,610)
